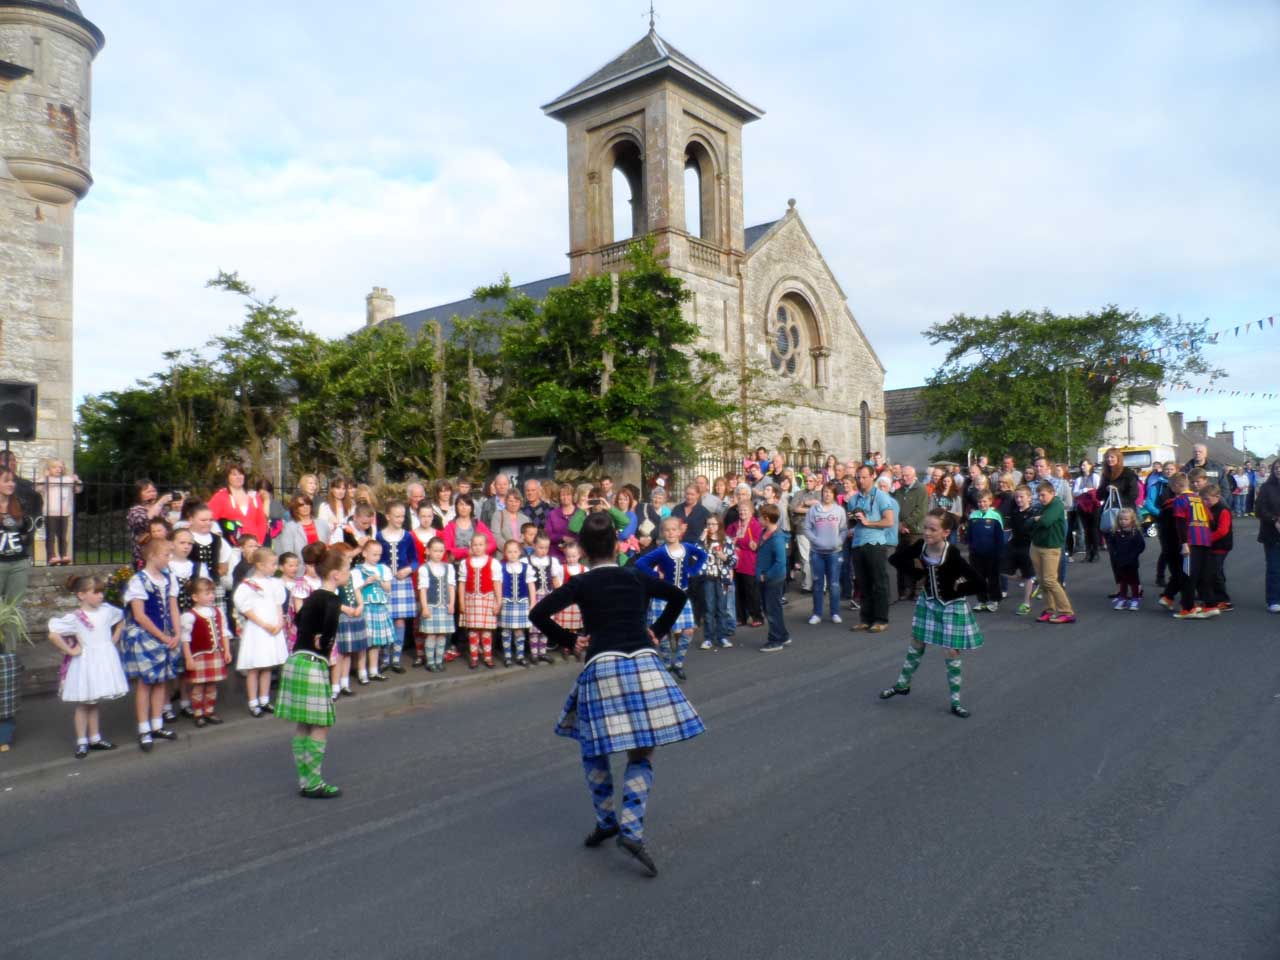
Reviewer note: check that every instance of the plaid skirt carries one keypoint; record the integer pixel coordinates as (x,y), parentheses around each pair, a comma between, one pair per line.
(10,685)
(304,695)
(404,602)
(570,617)
(481,612)
(683,622)
(379,631)
(949,625)
(210,668)
(145,658)
(514,615)
(350,634)
(626,702)
(435,622)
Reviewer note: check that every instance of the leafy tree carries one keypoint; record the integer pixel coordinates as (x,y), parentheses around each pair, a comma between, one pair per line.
(1020,380)
(579,367)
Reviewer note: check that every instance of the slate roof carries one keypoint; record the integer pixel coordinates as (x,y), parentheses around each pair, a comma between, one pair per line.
(647,57)
(904,412)
(517,448)
(1219,450)
(536,290)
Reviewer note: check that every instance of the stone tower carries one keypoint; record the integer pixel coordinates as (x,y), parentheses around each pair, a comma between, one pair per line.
(47,49)
(653,114)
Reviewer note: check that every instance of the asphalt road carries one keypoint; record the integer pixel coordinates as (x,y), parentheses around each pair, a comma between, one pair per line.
(1113,795)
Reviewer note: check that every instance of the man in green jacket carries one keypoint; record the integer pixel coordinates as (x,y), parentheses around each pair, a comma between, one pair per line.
(913,504)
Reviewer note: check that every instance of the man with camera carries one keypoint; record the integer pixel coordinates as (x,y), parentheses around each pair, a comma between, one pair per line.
(872,514)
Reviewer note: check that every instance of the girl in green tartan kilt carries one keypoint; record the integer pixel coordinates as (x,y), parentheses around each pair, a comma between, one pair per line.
(942,616)
(304,696)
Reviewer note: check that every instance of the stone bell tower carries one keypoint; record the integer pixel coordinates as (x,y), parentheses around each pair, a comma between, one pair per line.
(666,125)
(47,49)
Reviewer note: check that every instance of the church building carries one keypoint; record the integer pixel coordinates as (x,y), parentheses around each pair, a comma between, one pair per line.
(655,126)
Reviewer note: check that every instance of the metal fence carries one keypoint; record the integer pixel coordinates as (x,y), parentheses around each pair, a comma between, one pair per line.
(709,465)
(95,526)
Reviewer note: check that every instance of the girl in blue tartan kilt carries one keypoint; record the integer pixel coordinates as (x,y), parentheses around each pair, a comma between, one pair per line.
(624,700)
(150,637)
(400,554)
(303,696)
(547,574)
(676,563)
(942,616)
(375,599)
(350,640)
(437,589)
(513,611)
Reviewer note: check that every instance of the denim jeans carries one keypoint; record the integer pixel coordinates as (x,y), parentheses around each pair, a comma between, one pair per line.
(826,579)
(1271,555)
(773,610)
(719,620)
(1238,503)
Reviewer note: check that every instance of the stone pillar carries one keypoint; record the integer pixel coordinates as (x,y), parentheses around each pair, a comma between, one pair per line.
(622,463)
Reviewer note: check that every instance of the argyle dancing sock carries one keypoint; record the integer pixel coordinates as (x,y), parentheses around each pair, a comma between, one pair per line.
(419,647)
(507,637)
(315,762)
(600,783)
(954,666)
(473,646)
(682,647)
(637,781)
(300,760)
(914,656)
(666,649)
(520,641)
(486,646)
(210,697)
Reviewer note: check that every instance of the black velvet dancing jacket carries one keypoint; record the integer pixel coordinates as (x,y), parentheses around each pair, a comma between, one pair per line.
(947,581)
(614,602)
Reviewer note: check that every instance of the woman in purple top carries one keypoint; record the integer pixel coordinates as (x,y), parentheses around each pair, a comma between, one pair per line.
(558,518)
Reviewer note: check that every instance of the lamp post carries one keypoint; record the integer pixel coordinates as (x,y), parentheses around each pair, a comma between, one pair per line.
(1244,438)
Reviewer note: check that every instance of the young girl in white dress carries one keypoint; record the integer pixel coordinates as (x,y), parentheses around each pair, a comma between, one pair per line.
(260,601)
(91,670)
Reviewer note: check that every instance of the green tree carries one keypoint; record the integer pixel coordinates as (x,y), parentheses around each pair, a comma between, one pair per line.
(589,370)
(1021,380)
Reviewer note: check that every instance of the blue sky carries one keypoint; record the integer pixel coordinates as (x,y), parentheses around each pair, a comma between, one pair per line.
(946,157)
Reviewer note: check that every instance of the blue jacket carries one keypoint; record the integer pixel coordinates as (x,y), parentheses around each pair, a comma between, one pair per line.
(986,533)
(771,558)
(1126,548)
(658,563)
(401,555)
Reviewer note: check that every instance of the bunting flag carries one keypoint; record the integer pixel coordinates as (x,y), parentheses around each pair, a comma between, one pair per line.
(1214,391)
(1214,336)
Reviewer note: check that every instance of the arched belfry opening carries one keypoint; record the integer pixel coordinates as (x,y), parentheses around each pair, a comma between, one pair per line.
(700,212)
(627,186)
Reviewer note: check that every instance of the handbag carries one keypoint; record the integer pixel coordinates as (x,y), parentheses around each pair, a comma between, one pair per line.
(1111,511)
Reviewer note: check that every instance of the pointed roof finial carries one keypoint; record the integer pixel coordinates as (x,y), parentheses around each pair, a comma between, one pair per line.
(652,16)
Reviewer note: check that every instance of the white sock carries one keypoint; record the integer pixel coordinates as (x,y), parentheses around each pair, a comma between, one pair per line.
(157,723)
(336,688)
(82,741)
(346,682)
(364,675)
(144,728)
(96,738)
(185,704)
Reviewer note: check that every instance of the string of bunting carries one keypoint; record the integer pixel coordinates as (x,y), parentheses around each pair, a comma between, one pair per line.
(1215,336)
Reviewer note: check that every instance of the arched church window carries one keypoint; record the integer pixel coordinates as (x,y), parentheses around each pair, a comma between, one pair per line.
(785,342)
(802,454)
(692,199)
(785,448)
(864,429)
(627,184)
(815,454)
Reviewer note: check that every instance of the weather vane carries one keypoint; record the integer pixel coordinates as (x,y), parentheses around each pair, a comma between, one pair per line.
(652,16)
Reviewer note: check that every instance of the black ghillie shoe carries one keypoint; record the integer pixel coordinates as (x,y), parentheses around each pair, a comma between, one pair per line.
(82,751)
(637,850)
(103,744)
(145,742)
(164,733)
(960,711)
(599,835)
(326,791)
(679,673)
(397,668)
(894,692)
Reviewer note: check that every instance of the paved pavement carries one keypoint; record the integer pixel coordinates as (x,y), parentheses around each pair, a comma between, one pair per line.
(1113,795)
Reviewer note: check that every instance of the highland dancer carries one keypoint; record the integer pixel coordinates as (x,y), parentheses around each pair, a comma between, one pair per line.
(674,563)
(624,699)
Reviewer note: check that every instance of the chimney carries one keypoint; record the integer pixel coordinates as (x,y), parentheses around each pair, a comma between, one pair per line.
(1198,429)
(1175,421)
(379,306)
(1226,436)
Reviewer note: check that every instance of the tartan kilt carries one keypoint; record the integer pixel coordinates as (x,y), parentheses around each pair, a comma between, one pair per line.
(145,658)
(210,668)
(404,602)
(304,694)
(10,685)
(514,615)
(379,631)
(435,622)
(570,617)
(949,625)
(179,661)
(626,702)
(481,612)
(350,634)
(683,622)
